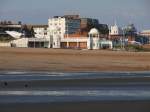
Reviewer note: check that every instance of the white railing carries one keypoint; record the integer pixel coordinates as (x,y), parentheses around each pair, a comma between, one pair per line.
(80,39)
(38,39)
(5,44)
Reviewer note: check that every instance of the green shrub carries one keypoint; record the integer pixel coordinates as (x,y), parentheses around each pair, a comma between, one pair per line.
(134,48)
(6,39)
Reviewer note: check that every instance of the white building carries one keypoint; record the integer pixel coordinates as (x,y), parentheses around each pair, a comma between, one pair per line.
(59,26)
(30,42)
(115,30)
(94,41)
(56,26)
(21,42)
(63,25)
(55,41)
(41,31)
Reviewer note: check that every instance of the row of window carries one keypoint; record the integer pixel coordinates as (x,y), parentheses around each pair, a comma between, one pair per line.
(57,32)
(115,31)
(56,24)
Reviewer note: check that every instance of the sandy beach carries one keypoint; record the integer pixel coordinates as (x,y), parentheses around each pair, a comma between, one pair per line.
(60,60)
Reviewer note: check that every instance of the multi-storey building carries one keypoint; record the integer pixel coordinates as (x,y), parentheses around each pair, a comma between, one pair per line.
(40,31)
(68,28)
(8,26)
(88,23)
(69,31)
(145,33)
(63,25)
(58,27)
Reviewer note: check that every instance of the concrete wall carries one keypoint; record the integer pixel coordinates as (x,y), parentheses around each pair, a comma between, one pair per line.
(23,42)
(5,44)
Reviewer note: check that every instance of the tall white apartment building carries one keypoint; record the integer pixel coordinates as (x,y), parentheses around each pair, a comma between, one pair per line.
(59,26)
(40,31)
(56,26)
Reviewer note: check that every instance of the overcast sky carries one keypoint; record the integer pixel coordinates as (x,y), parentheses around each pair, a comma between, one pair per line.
(107,11)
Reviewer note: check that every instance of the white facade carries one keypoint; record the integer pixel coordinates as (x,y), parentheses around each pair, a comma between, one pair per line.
(5,44)
(22,42)
(93,40)
(25,42)
(115,30)
(61,26)
(40,32)
(58,27)
(56,41)
(56,31)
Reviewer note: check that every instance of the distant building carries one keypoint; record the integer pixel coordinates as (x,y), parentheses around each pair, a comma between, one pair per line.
(126,36)
(92,41)
(116,35)
(145,33)
(68,31)
(40,31)
(58,27)
(88,23)
(130,32)
(95,42)
(63,25)
(8,26)
(115,30)
(30,43)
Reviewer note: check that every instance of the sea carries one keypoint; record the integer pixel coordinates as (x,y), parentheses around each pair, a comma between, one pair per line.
(74,92)
(53,87)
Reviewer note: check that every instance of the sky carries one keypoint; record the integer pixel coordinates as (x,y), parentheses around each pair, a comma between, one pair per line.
(107,11)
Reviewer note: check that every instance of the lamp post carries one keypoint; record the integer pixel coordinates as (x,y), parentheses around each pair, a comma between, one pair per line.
(67,31)
(123,39)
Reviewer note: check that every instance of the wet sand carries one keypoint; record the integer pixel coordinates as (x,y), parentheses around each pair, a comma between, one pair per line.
(34,84)
(109,106)
(60,60)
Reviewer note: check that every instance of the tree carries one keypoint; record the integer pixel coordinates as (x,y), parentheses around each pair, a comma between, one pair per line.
(9,22)
(32,32)
(130,30)
(19,22)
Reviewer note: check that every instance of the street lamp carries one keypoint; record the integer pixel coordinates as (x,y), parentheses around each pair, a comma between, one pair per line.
(123,39)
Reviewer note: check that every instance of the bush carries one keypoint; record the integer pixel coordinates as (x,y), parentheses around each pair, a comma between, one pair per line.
(6,39)
(134,48)
(117,46)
